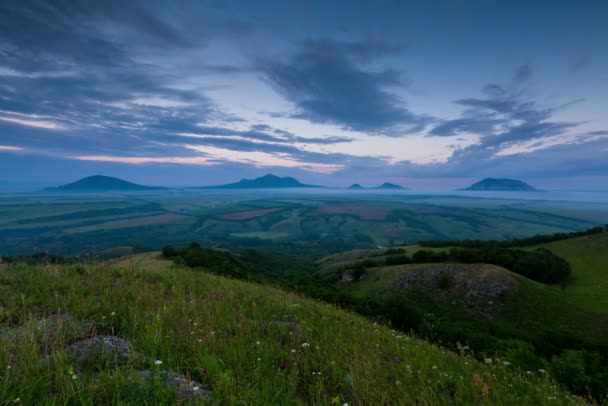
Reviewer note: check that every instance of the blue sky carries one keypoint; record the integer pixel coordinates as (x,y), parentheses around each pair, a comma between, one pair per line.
(425,94)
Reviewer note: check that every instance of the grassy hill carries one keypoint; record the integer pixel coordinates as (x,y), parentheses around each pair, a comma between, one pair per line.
(486,306)
(192,333)
(588,257)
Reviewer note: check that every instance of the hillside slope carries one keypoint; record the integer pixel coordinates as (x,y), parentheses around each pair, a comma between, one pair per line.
(579,311)
(240,343)
(588,257)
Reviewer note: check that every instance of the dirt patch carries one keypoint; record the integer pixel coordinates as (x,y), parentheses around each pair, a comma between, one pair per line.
(248,214)
(363,211)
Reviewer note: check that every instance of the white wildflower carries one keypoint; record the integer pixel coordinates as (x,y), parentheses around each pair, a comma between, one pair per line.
(488,360)
(158,362)
(304,345)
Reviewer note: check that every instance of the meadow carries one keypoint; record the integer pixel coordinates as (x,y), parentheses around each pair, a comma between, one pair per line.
(193,337)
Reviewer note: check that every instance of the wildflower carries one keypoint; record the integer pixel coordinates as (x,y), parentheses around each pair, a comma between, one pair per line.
(74,377)
(113,314)
(259,359)
(304,345)
(196,388)
(293,350)
(529,372)
(257,342)
(345,404)
(488,360)
(542,371)
(17,400)
(158,362)
(506,363)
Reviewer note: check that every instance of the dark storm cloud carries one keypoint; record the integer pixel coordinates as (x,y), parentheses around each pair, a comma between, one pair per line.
(504,117)
(327,86)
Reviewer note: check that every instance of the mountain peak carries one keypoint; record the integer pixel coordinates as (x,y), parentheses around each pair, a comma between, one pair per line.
(500,184)
(99,183)
(268,181)
(388,185)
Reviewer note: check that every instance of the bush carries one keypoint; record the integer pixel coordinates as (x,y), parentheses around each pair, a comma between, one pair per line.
(568,369)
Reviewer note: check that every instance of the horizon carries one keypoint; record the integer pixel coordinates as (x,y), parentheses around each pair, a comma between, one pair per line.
(425,97)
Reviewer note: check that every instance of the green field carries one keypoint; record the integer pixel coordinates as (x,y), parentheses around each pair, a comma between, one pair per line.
(244,343)
(318,222)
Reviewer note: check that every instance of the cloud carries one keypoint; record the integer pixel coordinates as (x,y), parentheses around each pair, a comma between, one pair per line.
(522,73)
(504,118)
(137,160)
(327,86)
(10,148)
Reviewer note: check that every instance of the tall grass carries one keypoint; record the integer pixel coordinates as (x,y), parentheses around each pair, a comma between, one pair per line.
(249,343)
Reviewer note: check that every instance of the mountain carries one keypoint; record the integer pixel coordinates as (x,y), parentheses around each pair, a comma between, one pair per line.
(99,183)
(356,186)
(501,185)
(265,182)
(387,185)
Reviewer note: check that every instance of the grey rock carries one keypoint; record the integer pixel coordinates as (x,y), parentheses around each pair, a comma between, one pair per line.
(101,349)
(184,387)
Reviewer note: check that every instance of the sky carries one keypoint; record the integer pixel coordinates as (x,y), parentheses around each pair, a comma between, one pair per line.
(426,94)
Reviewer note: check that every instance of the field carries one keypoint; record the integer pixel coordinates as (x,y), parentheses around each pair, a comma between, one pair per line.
(174,335)
(320,222)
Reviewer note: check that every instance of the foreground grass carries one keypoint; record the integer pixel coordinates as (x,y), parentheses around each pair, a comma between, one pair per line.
(249,343)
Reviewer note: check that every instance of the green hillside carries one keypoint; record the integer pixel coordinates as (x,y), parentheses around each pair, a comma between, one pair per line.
(192,336)
(588,257)
(491,308)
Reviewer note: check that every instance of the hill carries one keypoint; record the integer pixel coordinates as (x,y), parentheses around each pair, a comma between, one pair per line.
(500,185)
(356,186)
(491,308)
(265,182)
(388,185)
(99,183)
(142,331)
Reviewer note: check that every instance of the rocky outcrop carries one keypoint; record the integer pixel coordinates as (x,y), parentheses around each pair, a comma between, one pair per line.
(480,287)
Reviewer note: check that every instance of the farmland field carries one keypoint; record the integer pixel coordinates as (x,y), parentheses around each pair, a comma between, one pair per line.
(321,221)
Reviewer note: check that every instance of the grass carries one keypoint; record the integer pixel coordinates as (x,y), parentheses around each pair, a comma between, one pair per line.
(580,310)
(231,336)
(588,257)
(264,235)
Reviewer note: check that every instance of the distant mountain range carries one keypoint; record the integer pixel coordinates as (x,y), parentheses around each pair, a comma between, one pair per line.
(385,186)
(500,185)
(269,181)
(99,183)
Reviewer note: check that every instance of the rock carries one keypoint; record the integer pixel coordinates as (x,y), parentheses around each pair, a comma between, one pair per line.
(347,277)
(183,387)
(101,349)
(481,287)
